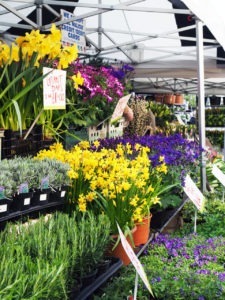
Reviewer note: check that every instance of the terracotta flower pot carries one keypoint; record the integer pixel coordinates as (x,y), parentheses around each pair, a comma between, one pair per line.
(141,235)
(179,99)
(119,251)
(169,99)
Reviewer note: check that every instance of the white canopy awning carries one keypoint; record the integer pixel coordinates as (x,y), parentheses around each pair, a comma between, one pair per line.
(142,33)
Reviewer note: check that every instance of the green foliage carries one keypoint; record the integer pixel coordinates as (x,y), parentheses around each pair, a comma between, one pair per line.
(177,269)
(16,104)
(38,260)
(162,112)
(215,117)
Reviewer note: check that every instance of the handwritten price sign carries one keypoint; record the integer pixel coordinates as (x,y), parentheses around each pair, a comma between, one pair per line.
(118,112)
(193,193)
(54,89)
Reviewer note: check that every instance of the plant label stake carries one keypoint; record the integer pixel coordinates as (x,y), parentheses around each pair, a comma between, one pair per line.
(136,286)
(195,221)
(220,176)
(195,195)
(135,261)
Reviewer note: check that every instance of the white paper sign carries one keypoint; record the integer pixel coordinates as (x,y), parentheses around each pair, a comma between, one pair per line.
(218,174)
(73,32)
(193,193)
(119,109)
(135,261)
(54,89)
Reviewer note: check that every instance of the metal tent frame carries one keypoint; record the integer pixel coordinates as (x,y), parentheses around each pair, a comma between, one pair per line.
(160,70)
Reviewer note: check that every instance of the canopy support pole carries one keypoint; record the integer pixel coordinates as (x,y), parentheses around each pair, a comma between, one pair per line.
(201,100)
(100,28)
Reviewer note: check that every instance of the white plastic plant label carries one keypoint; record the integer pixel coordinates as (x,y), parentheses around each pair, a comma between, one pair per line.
(193,193)
(135,261)
(218,174)
(3,208)
(43,197)
(26,201)
(2,192)
(23,188)
(63,193)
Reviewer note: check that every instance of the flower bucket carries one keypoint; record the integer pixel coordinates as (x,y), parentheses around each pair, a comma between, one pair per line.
(141,235)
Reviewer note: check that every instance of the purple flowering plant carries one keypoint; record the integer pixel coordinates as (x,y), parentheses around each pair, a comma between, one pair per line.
(101,89)
(180,155)
(190,267)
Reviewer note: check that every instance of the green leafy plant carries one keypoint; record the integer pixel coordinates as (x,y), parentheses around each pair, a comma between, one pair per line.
(13,111)
(39,259)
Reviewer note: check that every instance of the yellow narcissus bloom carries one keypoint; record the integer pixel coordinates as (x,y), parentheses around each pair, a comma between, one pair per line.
(156,200)
(82,203)
(83,145)
(78,80)
(46,46)
(127,187)
(150,189)
(162,168)
(72,174)
(90,196)
(14,53)
(56,34)
(134,201)
(96,143)
(67,55)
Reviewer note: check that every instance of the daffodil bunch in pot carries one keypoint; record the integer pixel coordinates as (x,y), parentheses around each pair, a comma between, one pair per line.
(105,181)
(120,176)
(150,193)
(21,88)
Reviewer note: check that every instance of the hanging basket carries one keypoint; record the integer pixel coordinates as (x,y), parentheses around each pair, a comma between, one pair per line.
(169,99)
(179,99)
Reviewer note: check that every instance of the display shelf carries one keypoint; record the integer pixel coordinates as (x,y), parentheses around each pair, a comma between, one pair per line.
(13,215)
(176,211)
(90,289)
(215,128)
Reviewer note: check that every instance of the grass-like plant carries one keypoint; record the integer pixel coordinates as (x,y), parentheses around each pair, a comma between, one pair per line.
(39,260)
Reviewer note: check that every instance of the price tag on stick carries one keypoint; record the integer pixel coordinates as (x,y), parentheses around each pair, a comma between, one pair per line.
(193,193)
(135,261)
